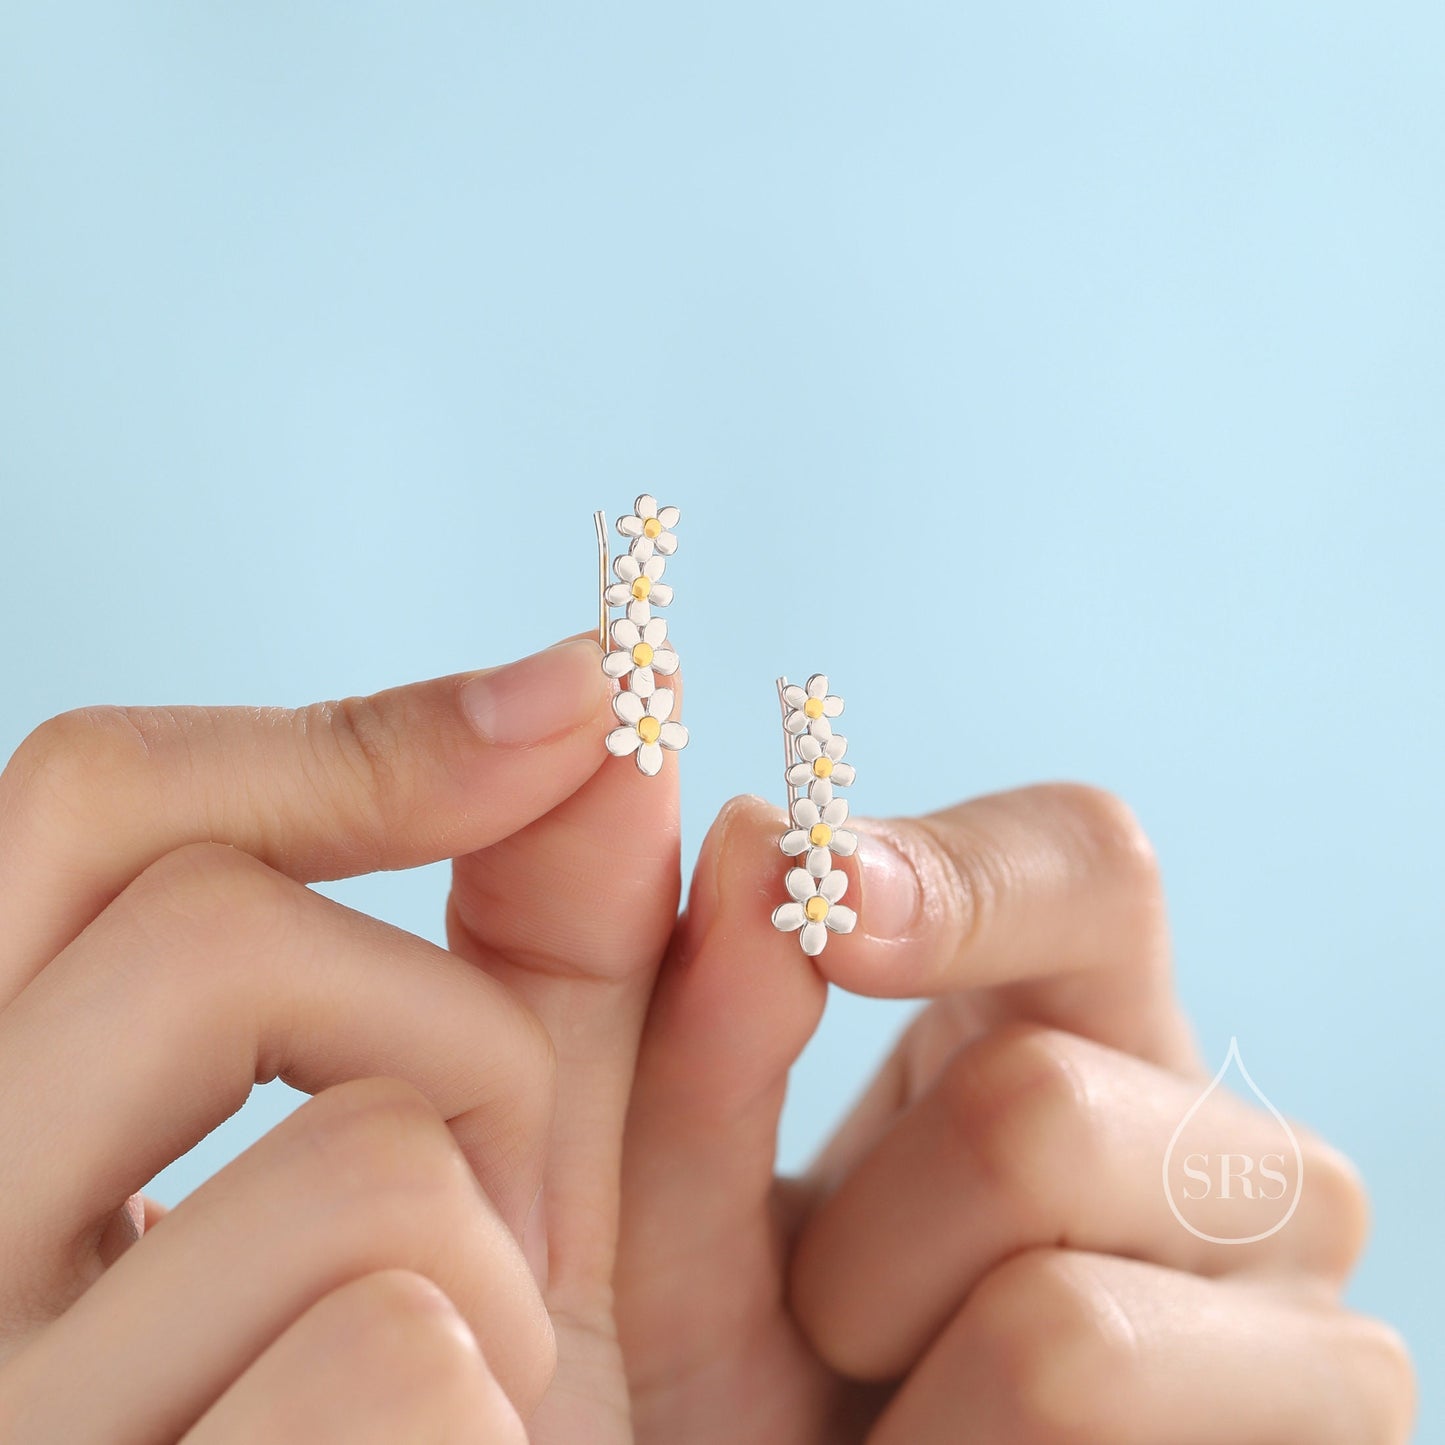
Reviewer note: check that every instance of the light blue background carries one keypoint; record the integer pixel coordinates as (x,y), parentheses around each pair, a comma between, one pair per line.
(1066,380)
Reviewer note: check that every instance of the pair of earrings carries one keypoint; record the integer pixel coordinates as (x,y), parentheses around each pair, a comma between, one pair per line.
(636,652)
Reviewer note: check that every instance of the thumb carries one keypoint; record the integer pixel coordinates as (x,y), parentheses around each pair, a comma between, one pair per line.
(734,1005)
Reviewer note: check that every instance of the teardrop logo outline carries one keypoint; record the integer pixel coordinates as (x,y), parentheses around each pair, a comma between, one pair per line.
(1233,1056)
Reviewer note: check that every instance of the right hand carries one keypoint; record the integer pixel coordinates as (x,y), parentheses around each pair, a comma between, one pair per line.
(346,1277)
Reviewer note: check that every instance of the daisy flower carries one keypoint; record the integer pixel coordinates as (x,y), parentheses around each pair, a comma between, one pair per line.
(814,908)
(640,652)
(810,707)
(641,586)
(818,828)
(646,729)
(651,527)
(821,758)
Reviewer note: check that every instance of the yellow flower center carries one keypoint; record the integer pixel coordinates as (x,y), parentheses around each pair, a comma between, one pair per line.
(813,707)
(820,835)
(816,908)
(642,586)
(649,729)
(651,527)
(823,767)
(642,654)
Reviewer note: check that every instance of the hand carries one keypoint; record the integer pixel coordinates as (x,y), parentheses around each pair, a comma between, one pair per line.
(983,1250)
(346,1278)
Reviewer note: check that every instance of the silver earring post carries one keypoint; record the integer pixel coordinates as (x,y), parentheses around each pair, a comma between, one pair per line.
(599,520)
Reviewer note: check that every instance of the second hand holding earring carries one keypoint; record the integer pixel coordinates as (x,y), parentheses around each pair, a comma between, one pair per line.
(813,756)
(642,652)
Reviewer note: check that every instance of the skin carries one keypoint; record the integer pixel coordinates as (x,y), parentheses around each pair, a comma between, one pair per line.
(533,1196)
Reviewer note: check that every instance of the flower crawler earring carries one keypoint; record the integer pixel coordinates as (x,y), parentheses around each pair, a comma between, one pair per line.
(813,755)
(641,652)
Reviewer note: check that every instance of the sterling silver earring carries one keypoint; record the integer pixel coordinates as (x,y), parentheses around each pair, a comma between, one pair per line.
(635,649)
(813,762)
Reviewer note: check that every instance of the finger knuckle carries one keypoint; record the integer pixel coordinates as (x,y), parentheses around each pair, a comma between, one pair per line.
(204,889)
(1335,1191)
(1060,1348)
(406,1334)
(517,1085)
(382,1152)
(1111,828)
(1020,1108)
(516,1080)
(183,906)
(1389,1385)
(536,1089)
(61,762)
(413,1325)
(364,738)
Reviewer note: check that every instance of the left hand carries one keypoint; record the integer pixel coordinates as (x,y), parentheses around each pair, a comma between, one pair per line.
(983,1250)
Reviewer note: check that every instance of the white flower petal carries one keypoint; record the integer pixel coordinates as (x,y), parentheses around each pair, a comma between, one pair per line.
(834,886)
(628,706)
(649,759)
(669,516)
(789,916)
(655,633)
(645,506)
(799,885)
(794,696)
(666,543)
(642,550)
(673,735)
(621,741)
(626,633)
(793,841)
(639,611)
(630,526)
(844,843)
(614,664)
(835,814)
(665,661)
(817,685)
(832,706)
(809,748)
(643,681)
(840,919)
(656,566)
(821,728)
(794,723)
(815,937)
(843,775)
(627,569)
(820,860)
(835,747)
(820,790)
(799,774)
(660,703)
(617,593)
(805,813)
(661,595)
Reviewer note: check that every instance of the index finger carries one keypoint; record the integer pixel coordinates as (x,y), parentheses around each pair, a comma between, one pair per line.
(409,775)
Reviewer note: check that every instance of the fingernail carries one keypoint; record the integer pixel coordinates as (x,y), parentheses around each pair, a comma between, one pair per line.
(534,1240)
(891,900)
(540,696)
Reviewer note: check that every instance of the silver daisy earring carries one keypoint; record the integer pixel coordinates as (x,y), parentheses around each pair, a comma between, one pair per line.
(813,758)
(635,649)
